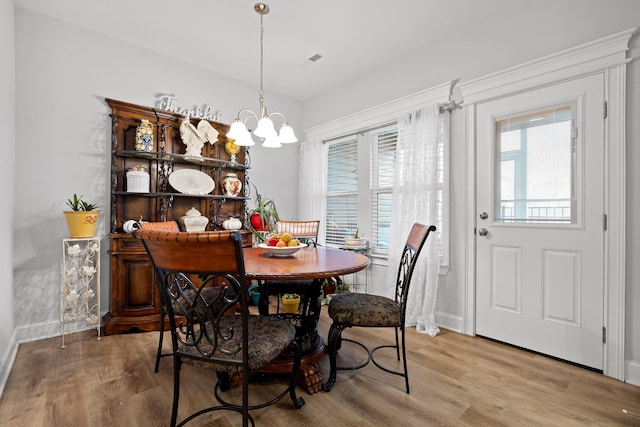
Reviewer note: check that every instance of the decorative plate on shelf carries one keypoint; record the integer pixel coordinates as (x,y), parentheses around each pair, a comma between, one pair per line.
(189,181)
(283,251)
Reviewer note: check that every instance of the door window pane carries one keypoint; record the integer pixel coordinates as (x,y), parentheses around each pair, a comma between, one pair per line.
(535,167)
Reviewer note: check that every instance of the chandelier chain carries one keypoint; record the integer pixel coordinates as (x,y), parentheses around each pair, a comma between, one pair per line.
(261,93)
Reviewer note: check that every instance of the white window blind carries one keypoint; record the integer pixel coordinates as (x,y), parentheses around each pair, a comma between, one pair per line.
(342,191)
(383,157)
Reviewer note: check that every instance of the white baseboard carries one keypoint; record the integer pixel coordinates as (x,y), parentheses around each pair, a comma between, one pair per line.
(449,321)
(632,372)
(6,363)
(38,331)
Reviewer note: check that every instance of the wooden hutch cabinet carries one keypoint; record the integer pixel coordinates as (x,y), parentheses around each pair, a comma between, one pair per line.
(135,302)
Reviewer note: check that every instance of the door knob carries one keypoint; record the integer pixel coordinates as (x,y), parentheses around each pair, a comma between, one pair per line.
(483,232)
(484,215)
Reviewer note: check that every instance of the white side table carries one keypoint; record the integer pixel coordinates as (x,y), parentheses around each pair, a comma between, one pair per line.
(357,277)
(81,283)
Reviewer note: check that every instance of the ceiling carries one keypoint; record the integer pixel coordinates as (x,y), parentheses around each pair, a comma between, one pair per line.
(353,36)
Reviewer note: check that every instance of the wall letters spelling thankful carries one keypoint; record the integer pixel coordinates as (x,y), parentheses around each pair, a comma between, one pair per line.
(207,112)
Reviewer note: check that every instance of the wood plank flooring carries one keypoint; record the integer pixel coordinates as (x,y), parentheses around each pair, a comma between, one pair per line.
(456,380)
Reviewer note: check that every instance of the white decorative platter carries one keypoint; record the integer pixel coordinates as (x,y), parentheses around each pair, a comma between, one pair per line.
(284,251)
(189,181)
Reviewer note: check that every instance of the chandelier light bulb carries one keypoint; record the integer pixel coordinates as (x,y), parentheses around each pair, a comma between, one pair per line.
(236,130)
(272,142)
(265,128)
(286,134)
(245,139)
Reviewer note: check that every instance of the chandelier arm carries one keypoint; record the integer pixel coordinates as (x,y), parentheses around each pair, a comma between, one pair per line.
(246,110)
(279,114)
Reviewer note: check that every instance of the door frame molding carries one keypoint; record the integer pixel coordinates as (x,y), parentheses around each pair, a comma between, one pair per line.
(608,56)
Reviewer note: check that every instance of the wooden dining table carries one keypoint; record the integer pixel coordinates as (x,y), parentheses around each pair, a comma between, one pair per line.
(306,264)
(303,273)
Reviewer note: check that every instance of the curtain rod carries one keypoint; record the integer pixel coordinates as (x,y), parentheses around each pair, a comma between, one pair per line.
(369,129)
(449,107)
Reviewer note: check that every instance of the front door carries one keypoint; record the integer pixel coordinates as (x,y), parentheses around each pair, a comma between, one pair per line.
(540,220)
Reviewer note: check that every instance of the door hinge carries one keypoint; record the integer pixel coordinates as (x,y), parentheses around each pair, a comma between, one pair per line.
(604,109)
(604,222)
(604,335)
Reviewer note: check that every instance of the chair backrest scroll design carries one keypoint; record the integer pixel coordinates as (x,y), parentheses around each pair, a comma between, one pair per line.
(186,263)
(408,259)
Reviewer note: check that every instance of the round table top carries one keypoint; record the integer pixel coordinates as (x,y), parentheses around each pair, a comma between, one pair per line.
(307,263)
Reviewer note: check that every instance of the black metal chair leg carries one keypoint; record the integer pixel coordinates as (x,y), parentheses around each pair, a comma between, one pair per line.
(398,343)
(176,391)
(298,402)
(334,338)
(159,353)
(404,360)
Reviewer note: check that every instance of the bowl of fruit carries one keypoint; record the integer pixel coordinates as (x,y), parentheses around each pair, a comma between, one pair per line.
(282,245)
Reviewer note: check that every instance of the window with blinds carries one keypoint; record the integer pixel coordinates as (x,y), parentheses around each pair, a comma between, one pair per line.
(359,187)
(383,158)
(342,191)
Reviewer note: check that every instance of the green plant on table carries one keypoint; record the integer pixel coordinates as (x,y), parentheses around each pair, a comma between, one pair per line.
(77,204)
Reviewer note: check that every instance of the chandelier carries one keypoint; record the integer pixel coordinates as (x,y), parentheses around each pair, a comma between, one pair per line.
(265,129)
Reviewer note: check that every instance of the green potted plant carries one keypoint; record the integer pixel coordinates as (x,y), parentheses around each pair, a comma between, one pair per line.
(329,286)
(82,218)
(263,217)
(343,287)
(355,241)
(290,303)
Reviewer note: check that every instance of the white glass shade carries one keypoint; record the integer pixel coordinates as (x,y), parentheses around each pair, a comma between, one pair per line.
(272,142)
(244,139)
(236,130)
(265,129)
(286,134)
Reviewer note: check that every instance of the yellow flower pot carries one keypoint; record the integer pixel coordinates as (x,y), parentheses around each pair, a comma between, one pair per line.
(290,305)
(81,224)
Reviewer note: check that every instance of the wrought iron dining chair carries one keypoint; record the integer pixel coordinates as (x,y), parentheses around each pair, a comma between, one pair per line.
(211,294)
(304,231)
(234,345)
(366,310)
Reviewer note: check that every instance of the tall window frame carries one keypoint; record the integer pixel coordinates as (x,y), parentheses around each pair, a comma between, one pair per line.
(360,187)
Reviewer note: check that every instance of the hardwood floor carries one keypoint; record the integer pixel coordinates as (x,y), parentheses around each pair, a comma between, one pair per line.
(456,380)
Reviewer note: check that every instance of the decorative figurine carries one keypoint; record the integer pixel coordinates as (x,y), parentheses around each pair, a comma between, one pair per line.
(194,138)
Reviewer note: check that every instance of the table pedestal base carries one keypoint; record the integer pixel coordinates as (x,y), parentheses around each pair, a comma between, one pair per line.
(309,376)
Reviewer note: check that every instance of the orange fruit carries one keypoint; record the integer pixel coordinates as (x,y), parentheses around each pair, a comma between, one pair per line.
(281,244)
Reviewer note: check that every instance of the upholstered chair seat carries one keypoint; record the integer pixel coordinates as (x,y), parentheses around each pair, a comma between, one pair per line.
(364,310)
(268,337)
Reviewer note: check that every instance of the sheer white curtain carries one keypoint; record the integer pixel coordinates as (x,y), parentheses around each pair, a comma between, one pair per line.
(312,197)
(421,195)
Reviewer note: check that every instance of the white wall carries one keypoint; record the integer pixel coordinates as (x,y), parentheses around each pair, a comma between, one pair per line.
(8,344)
(63,74)
(541,28)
